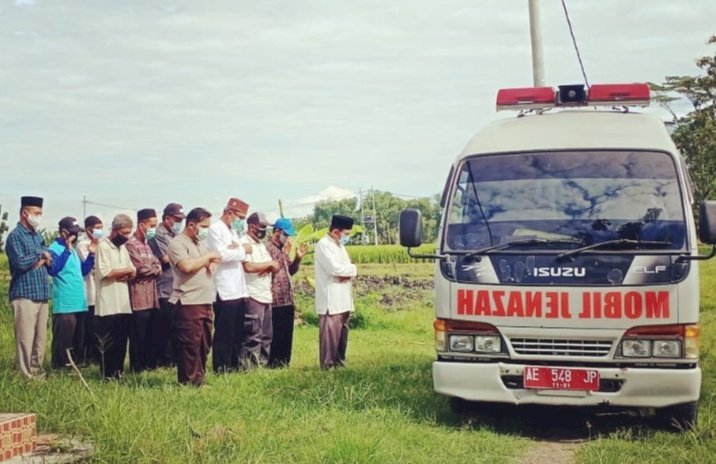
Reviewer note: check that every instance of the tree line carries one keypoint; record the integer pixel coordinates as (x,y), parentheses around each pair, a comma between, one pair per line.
(387,209)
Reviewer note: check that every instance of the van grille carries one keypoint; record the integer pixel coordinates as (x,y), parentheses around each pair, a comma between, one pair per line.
(560,347)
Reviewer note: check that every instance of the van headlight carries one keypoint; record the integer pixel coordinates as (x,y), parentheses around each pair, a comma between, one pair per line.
(488,344)
(636,348)
(463,343)
(666,349)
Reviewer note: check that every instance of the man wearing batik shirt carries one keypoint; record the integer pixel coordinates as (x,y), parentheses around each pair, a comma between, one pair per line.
(231,291)
(170,226)
(28,258)
(143,292)
(259,267)
(283,308)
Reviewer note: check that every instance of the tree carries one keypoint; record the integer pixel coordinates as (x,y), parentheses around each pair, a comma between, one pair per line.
(3,228)
(695,133)
(387,209)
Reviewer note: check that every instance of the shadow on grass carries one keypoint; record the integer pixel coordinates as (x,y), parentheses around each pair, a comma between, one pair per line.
(407,388)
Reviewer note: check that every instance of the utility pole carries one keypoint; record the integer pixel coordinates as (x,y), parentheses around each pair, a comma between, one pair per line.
(375,218)
(536,37)
(362,216)
(84,207)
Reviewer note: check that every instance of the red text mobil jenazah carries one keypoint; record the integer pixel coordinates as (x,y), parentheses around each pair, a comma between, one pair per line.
(561,305)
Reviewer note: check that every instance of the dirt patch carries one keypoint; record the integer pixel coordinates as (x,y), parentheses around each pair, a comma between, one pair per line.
(550,452)
(53,448)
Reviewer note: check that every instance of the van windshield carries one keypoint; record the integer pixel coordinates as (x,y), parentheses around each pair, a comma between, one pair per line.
(565,199)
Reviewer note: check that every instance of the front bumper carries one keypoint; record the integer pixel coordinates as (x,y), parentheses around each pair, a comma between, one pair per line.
(637,387)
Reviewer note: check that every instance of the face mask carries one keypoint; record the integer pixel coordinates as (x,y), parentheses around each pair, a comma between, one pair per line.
(151,233)
(119,240)
(176,227)
(345,239)
(34,220)
(239,225)
(260,234)
(98,234)
(202,233)
(283,239)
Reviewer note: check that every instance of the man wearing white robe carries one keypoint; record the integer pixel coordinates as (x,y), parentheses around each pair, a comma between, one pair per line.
(334,291)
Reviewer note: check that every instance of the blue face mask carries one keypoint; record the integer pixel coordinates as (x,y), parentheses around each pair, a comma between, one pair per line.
(176,227)
(98,234)
(345,239)
(202,233)
(151,233)
(239,225)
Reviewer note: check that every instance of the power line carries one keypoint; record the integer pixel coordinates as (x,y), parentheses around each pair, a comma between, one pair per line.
(574,42)
(104,205)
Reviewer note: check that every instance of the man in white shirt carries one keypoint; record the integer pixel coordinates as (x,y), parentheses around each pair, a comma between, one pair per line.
(113,309)
(94,231)
(259,267)
(334,291)
(230,286)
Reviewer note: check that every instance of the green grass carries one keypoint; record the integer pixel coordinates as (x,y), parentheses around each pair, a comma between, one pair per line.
(381,254)
(380,409)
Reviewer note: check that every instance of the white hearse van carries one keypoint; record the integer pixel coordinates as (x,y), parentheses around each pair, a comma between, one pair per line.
(567,261)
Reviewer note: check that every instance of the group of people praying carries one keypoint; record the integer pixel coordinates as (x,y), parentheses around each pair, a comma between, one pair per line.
(170,289)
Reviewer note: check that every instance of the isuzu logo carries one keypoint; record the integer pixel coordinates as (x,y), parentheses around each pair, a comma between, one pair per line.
(559,272)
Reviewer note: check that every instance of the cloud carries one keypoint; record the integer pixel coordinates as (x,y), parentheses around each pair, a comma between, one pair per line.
(330,193)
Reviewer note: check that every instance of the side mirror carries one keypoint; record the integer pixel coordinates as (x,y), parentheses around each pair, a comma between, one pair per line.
(707,222)
(411,228)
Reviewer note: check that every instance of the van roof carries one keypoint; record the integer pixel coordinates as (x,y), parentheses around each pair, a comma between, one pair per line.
(572,129)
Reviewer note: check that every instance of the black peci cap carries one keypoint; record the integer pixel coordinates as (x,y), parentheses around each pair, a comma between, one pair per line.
(146,213)
(31,201)
(341,222)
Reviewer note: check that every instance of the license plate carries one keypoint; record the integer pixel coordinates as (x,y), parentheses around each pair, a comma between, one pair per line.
(559,378)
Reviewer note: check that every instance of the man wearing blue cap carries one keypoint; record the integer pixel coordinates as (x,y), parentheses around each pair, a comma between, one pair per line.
(284,308)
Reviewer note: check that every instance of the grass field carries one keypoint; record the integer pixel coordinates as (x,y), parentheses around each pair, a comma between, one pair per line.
(381,408)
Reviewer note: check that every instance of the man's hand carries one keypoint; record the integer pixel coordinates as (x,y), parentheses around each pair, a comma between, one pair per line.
(301,250)
(69,241)
(92,248)
(211,268)
(275,266)
(212,258)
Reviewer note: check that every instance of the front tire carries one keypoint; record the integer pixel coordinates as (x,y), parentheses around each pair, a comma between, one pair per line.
(679,417)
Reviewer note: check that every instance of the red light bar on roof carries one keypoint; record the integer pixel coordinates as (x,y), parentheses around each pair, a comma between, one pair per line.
(526,97)
(619,94)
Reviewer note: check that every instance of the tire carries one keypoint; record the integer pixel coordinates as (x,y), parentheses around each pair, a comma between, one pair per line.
(679,417)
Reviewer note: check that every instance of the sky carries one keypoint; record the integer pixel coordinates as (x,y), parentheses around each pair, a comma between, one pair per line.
(137,103)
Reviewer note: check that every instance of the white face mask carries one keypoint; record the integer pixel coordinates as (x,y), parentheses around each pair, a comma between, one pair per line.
(34,220)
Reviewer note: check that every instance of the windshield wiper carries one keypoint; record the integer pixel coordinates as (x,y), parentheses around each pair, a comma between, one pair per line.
(619,241)
(526,241)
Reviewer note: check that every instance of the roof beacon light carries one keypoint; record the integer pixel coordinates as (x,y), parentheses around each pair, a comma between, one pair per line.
(572,95)
(619,94)
(525,98)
